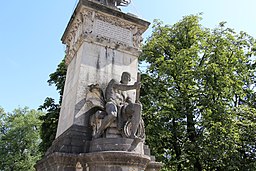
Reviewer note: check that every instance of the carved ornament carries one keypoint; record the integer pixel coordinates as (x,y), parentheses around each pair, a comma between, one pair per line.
(84,28)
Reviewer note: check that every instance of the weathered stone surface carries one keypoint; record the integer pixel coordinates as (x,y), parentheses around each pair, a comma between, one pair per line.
(91,22)
(97,161)
(75,140)
(154,166)
(115,161)
(115,144)
(58,162)
(117,114)
(84,72)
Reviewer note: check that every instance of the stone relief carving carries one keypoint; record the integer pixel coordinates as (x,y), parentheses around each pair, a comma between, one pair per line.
(83,29)
(116,111)
(137,38)
(88,18)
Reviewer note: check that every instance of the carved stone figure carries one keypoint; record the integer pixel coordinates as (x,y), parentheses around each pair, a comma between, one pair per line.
(114,3)
(123,2)
(119,108)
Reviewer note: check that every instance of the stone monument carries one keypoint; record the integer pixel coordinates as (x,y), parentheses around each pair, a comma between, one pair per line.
(100,126)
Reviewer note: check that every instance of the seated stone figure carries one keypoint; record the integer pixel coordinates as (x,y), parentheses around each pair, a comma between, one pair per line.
(120,108)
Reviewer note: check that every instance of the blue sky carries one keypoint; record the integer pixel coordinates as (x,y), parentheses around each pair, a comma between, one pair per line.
(30,32)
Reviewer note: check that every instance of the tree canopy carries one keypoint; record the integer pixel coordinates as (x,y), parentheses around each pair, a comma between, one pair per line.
(19,139)
(198,96)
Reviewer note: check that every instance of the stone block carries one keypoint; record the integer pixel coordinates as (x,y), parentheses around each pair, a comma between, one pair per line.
(74,140)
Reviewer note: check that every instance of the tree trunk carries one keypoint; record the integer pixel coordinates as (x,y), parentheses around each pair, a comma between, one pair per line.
(191,131)
(175,144)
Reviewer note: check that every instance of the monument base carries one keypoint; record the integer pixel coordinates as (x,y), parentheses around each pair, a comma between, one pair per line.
(115,161)
(104,154)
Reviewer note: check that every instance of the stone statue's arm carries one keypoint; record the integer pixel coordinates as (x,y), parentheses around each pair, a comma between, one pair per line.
(124,87)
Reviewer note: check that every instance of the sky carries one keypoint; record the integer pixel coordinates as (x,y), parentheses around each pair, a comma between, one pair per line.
(30,33)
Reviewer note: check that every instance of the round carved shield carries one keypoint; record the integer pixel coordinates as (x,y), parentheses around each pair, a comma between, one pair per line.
(140,132)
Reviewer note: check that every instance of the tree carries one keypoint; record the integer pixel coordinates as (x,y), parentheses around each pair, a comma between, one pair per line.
(50,119)
(198,96)
(19,139)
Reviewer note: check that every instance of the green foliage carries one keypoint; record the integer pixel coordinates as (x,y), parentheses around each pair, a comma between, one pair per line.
(58,78)
(50,119)
(198,96)
(49,123)
(19,139)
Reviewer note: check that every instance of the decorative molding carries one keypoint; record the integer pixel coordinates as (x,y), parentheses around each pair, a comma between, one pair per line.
(93,26)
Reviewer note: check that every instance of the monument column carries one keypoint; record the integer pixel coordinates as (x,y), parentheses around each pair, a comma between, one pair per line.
(102,42)
(102,46)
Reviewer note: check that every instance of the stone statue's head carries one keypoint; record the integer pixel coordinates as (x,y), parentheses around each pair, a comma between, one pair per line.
(125,78)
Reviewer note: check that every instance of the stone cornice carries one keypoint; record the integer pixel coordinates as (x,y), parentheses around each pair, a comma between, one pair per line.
(94,22)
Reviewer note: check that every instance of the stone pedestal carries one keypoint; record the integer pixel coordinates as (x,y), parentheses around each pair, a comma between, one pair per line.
(115,161)
(98,161)
(116,144)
